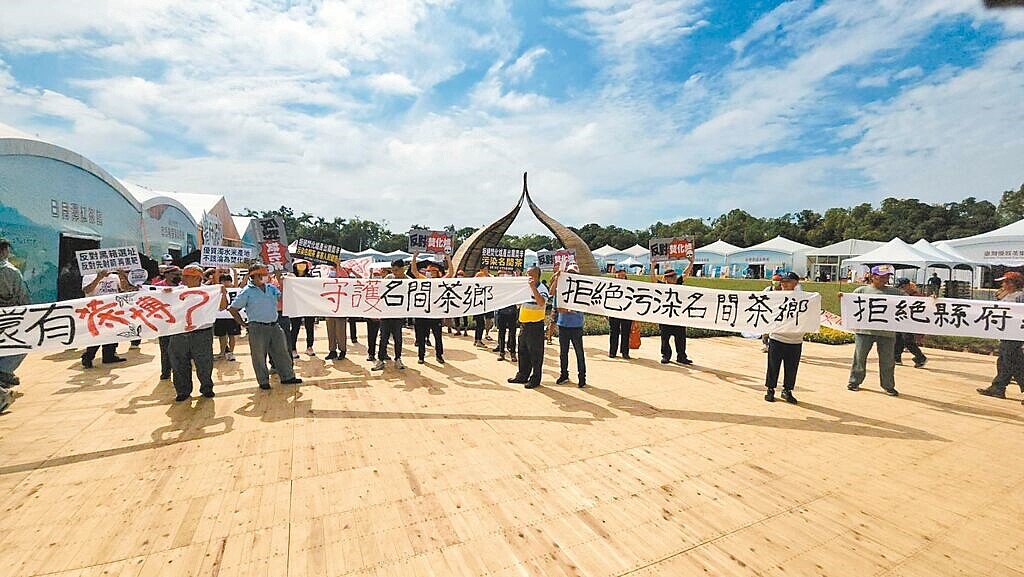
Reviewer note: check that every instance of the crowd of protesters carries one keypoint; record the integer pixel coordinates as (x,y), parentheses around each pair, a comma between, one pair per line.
(522,331)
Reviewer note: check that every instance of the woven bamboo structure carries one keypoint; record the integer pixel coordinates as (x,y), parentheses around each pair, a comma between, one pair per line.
(467,258)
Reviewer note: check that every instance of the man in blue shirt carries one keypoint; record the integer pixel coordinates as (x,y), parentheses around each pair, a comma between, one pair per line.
(265,335)
(570,330)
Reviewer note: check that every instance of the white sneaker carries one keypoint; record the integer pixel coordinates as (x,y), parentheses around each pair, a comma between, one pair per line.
(398,364)
(229,356)
(378,366)
(311,352)
(218,357)
(295,354)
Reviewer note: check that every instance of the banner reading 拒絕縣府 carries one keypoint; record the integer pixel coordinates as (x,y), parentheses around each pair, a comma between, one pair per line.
(928,316)
(401,298)
(736,311)
(107,319)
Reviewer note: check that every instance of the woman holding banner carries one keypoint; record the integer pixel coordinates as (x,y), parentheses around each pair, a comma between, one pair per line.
(619,329)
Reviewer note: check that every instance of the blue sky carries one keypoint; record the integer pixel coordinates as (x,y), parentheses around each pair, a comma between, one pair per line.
(428,111)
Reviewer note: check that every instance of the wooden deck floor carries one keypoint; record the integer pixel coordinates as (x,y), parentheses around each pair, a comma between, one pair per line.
(651,470)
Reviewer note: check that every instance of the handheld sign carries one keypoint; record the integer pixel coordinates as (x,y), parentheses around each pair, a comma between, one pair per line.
(563,258)
(433,241)
(317,252)
(213,255)
(668,249)
(119,258)
(506,259)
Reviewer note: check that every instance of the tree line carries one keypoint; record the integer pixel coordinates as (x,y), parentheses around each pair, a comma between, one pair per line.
(907,218)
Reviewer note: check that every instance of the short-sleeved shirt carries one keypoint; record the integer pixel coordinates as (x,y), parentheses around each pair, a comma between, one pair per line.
(259,305)
(531,312)
(110,285)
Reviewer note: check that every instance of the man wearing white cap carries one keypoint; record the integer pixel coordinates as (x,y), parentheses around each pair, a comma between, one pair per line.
(570,332)
(885,340)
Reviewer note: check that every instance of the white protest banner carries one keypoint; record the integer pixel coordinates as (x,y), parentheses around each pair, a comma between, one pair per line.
(118,258)
(434,241)
(736,311)
(106,319)
(669,249)
(359,266)
(402,298)
(927,316)
(832,321)
(213,255)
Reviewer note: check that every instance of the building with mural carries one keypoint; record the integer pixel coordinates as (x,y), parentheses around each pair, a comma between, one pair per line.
(54,202)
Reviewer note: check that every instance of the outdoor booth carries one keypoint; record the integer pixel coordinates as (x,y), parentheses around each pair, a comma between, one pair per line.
(712,260)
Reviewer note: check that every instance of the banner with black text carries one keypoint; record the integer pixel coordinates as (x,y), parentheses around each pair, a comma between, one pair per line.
(737,311)
(402,298)
(106,319)
(928,316)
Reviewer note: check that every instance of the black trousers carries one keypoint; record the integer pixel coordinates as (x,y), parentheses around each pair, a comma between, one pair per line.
(573,336)
(908,341)
(298,322)
(109,352)
(372,329)
(618,339)
(390,329)
(424,327)
(668,334)
(352,330)
(478,328)
(782,355)
(165,356)
(507,326)
(531,352)
(1009,365)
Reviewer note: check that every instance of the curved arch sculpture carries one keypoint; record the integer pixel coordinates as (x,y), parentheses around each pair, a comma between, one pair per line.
(467,258)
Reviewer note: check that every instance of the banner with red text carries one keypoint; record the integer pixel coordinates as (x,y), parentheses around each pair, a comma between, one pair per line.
(402,298)
(106,319)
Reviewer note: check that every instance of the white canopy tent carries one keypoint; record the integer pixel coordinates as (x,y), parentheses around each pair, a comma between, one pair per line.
(711,259)
(825,262)
(637,251)
(900,255)
(606,251)
(779,253)
(1002,246)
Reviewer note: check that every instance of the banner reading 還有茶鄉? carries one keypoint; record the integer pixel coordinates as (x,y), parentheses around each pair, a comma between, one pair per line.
(928,316)
(402,298)
(724,310)
(106,319)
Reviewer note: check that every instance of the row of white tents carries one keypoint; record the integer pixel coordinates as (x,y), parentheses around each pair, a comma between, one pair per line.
(965,259)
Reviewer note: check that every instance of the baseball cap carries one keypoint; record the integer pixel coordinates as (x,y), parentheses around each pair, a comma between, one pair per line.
(670,272)
(882,270)
(1014,277)
(791,276)
(903,281)
(192,270)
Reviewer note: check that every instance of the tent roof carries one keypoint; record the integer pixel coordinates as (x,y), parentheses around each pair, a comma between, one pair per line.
(631,261)
(897,252)
(636,250)
(719,247)
(779,244)
(606,250)
(930,249)
(848,247)
(370,252)
(945,247)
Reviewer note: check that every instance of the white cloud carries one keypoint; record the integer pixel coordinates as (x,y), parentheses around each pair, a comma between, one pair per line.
(393,83)
(522,68)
